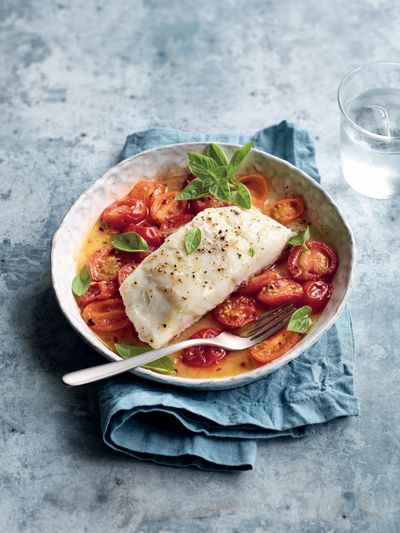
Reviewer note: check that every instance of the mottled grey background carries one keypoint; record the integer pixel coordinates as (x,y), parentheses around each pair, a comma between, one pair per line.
(77,77)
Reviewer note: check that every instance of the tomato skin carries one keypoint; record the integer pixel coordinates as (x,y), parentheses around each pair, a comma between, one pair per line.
(257,185)
(105,316)
(201,356)
(105,264)
(257,282)
(280,291)
(126,271)
(173,223)
(287,210)
(164,206)
(120,214)
(274,346)
(102,290)
(151,234)
(317,294)
(206,202)
(188,180)
(147,190)
(236,311)
(316,261)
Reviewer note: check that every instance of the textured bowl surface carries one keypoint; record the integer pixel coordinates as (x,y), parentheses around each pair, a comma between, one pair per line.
(171,160)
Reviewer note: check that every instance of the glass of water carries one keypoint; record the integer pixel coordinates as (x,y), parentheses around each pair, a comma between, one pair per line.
(369,101)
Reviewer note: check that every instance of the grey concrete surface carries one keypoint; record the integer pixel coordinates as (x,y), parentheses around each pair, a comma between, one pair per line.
(76,77)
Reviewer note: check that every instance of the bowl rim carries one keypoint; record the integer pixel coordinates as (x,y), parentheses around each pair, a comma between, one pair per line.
(204,383)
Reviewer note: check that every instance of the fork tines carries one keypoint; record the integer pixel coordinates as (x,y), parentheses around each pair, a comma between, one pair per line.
(267,324)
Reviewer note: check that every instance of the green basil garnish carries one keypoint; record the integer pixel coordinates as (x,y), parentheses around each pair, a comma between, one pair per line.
(301,238)
(164,364)
(300,321)
(192,240)
(81,282)
(130,242)
(251,252)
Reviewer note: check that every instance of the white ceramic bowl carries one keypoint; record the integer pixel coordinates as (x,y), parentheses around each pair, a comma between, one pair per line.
(171,160)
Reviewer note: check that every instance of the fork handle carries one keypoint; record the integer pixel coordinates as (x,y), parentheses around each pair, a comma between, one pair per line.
(96,373)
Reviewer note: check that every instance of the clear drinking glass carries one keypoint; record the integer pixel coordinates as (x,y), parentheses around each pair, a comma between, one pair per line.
(369,101)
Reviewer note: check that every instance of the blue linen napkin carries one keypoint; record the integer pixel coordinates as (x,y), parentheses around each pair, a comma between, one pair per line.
(218,430)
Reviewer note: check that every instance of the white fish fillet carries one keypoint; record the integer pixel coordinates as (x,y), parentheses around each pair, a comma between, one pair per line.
(171,289)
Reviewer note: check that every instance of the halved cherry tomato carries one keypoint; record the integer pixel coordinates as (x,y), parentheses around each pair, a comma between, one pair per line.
(108,315)
(125,271)
(280,291)
(119,214)
(147,190)
(275,346)
(164,206)
(105,264)
(151,234)
(207,201)
(200,356)
(173,223)
(257,282)
(317,294)
(102,290)
(286,211)
(313,262)
(236,311)
(257,185)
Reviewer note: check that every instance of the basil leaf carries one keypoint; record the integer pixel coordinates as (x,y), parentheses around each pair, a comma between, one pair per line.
(215,152)
(196,189)
(239,157)
(220,189)
(164,364)
(202,166)
(300,321)
(192,240)
(130,242)
(301,238)
(81,282)
(241,196)
(251,252)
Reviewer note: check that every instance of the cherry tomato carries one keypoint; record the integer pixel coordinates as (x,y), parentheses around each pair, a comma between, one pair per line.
(102,290)
(207,201)
(188,180)
(236,311)
(151,234)
(138,257)
(105,264)
(274,346)
(257,282)
(200,356)
(164,206)
(317,294)
(311,263)
(257,185)
(173,223)
(125,271)
(119,214)
(286,211)
(108,315)
(280,291)
(147,191)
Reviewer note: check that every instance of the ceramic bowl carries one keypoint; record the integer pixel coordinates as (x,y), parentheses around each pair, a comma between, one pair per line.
(171,160)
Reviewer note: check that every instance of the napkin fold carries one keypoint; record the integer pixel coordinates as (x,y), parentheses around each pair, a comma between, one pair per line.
(219,430)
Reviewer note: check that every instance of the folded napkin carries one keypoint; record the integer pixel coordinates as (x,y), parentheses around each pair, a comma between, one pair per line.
(218,430)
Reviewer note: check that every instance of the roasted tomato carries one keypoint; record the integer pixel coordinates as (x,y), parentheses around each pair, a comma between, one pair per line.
(125,271)
(199,356)
(102,290)
(174,223)
(280,291)
(275,346)
(164,206)
(105,264)
(257,185)
(188,180)
(317,294)
(120,214)
(313,262)
(236,311)
(286,211)
(147,191)
(257,282)
(107,315)
(207,201)
(151,234)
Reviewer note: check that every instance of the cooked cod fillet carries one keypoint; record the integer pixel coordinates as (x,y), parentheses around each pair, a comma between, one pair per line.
(171,289)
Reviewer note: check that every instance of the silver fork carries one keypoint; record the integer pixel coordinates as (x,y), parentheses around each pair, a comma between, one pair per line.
(257,331)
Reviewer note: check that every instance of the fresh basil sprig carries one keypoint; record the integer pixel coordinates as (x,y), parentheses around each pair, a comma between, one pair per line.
(164,364)
(192,240)
(301,238)
(81,282)
(130,242)
(215,175)
(300,321)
